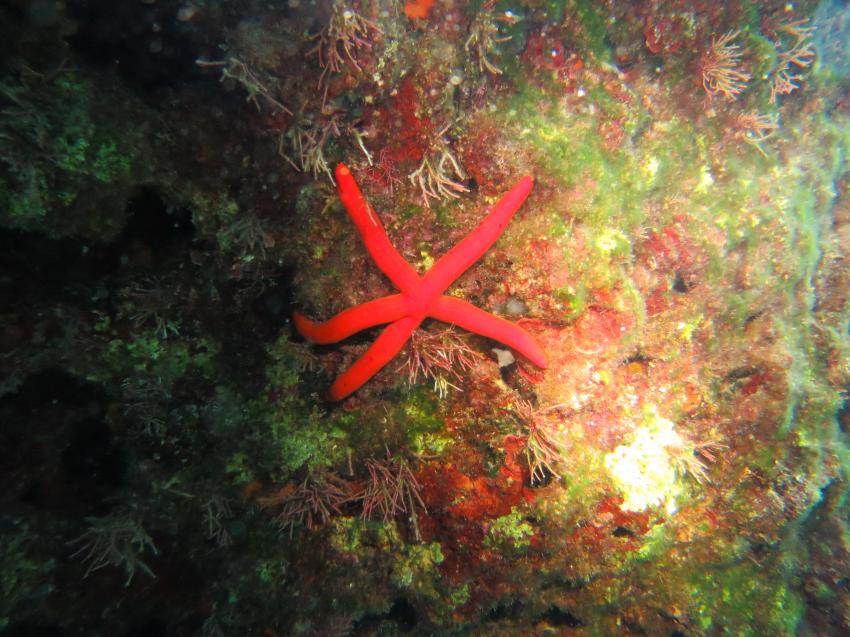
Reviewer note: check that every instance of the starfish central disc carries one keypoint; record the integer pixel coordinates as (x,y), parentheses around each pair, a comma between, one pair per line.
(421,297)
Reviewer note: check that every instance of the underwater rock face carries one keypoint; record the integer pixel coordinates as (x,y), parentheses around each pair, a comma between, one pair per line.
(830,39)
(168,203)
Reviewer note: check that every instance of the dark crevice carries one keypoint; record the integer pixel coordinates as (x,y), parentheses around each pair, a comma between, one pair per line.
(58,446)
(36,266)
(559,617)
(504,610)
(402,613)
(154,223)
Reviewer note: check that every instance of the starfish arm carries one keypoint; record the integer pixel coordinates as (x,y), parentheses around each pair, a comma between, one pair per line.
(384,310)
(383,253)
(381,352)
(469,317)
(451,265)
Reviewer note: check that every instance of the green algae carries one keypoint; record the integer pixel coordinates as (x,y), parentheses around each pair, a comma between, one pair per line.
(571,152)
(510,531)
(408,569)
(741,600)
(149,354)
(300,433)
(25,576)
(70,149)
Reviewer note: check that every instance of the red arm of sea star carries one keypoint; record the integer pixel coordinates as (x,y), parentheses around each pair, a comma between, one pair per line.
(451,265)
(383,310)
(387,345)
(451,310)
(384,254)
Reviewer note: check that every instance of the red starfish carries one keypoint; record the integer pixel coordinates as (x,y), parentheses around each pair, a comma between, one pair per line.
(420,297)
